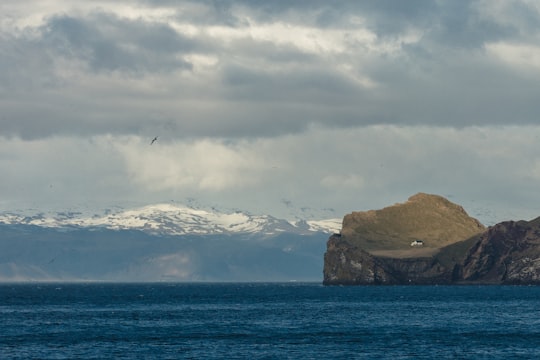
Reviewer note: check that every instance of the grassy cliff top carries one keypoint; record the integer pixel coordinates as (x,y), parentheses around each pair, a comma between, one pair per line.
(429,218)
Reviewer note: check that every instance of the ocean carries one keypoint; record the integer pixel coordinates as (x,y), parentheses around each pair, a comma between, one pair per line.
(267,321)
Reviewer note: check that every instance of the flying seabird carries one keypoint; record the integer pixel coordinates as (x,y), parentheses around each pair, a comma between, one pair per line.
(153,140)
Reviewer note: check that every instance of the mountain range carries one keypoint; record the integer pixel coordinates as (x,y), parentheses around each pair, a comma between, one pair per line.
(161,242)
(167,219)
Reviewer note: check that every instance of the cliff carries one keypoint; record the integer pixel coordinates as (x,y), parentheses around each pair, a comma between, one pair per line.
(374,247)
(507,253)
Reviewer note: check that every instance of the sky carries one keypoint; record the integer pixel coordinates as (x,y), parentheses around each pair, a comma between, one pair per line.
(293,109)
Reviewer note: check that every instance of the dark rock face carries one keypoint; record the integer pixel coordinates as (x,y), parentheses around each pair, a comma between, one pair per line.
(507,253)
(349,265)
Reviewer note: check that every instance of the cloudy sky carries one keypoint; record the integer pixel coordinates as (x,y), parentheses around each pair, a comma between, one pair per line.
(315,107)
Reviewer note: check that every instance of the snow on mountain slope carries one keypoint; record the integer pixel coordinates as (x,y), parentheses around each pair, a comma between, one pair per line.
(168,219)
(327,226)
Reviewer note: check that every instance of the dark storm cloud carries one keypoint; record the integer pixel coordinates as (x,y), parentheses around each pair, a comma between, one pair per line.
(444,23)
(307,85)
(107,42)
(443,78)
(264,68)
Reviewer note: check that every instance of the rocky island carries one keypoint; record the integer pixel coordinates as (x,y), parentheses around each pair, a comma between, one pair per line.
(430,240)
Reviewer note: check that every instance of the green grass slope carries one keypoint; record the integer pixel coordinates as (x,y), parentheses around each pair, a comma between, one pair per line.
(430,218)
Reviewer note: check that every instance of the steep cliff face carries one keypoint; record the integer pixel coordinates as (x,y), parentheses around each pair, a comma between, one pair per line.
(507,253)
(374,247)
(349,265)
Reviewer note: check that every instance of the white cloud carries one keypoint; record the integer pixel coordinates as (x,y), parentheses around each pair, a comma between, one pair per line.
(516,55)
(340,169)
(202,164)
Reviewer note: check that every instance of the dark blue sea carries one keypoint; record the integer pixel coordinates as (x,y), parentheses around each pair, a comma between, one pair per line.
(267,321)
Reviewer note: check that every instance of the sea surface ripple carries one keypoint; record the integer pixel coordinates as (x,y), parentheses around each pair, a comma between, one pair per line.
(267,321)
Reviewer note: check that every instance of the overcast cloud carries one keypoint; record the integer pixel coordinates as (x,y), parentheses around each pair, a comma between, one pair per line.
(269,106)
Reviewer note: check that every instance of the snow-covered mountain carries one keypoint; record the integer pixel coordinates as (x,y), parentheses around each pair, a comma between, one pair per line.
(163,242)
(169,219)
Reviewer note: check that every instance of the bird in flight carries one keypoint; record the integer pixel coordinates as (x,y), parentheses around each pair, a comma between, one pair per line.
(153,140)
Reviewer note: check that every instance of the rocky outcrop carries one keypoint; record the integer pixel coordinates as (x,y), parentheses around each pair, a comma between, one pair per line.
(374,247)
(349,265)
(507,253)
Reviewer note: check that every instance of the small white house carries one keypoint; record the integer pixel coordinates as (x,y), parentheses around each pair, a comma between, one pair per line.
(417,243)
